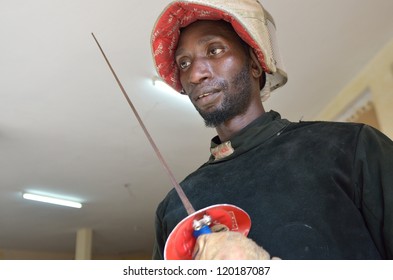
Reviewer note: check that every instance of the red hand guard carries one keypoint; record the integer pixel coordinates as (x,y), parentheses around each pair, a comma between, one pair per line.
(181,242)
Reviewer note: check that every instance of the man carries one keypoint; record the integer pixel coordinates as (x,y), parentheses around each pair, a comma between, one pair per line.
(313,190)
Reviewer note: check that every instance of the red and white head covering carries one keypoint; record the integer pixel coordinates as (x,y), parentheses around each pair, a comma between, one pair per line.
(248,18)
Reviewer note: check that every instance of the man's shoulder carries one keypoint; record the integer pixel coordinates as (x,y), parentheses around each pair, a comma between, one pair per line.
(321,126)
(348,136)
(325,127)
(321,123)
(333,128)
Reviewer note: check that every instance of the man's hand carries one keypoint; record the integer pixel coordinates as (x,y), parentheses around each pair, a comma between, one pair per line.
(228,245)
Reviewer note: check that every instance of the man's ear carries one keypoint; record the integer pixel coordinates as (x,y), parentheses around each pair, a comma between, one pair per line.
(256,67)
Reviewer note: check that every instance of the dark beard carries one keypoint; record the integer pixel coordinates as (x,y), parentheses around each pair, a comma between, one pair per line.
(234,103)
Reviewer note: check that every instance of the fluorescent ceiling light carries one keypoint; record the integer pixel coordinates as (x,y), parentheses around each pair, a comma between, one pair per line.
(52,200)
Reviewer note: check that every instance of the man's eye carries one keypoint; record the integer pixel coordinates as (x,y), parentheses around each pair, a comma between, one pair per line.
(184,64)
(216,51)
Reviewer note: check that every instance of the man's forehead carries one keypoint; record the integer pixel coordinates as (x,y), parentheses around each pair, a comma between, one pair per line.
(208,25)
(207,30)
(201,41)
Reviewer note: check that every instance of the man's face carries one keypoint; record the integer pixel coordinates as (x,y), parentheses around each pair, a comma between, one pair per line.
(214,70)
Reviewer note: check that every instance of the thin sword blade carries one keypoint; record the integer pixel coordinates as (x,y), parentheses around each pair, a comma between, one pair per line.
(186,203)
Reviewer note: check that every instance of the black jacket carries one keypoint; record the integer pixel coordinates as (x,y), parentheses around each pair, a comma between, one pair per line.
(313,190)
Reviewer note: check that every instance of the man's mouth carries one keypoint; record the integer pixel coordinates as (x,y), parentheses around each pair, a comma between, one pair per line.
(204,95)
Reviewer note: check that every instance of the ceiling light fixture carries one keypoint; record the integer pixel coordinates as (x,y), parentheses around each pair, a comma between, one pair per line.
(52,200)
(161,85)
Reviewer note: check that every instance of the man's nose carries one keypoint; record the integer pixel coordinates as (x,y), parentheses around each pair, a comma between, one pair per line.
(200,71)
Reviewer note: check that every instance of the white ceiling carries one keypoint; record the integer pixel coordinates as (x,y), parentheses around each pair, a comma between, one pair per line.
(66,129)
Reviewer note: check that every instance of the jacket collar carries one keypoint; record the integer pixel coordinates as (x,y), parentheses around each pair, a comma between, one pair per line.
(258,131)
